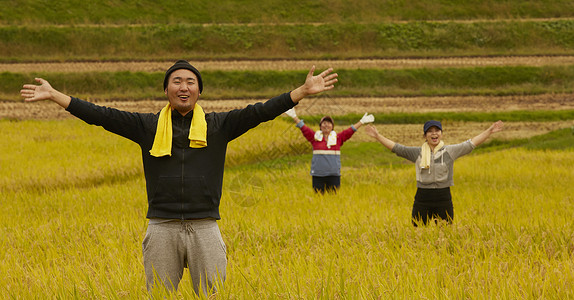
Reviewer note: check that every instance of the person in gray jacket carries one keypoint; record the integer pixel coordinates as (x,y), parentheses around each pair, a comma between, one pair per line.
(183,153)
(434,163)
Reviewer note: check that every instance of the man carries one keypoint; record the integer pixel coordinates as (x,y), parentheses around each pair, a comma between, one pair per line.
(183,154)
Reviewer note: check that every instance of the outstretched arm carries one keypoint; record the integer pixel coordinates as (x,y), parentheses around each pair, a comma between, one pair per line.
(367,118)
(495,127)
(291,113)
(314,84)
(373,132)
(44,91)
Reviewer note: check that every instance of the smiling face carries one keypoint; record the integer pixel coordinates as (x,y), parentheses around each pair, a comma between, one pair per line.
(182,90)
(433,136)
(326,127)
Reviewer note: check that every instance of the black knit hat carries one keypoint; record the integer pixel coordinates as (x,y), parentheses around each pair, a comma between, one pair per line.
(182,64)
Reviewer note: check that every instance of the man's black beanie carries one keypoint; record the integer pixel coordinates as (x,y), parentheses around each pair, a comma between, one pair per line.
(182,64)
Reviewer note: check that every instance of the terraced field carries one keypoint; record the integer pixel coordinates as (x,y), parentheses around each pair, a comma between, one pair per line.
(282,65)
(83,191)
(325,104)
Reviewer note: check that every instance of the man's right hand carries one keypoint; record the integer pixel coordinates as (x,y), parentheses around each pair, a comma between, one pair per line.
(44,91)
(32,92)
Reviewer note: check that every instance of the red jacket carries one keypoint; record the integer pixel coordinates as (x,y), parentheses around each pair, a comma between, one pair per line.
(326,160)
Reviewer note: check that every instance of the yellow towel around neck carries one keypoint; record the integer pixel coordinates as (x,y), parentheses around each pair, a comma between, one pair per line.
(163,135)
(426,154)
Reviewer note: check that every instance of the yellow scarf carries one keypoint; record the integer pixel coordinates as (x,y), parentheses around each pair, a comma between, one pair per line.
(163,135)
(426,154)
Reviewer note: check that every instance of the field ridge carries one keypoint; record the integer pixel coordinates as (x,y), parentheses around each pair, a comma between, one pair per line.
(273,23)
(288,64)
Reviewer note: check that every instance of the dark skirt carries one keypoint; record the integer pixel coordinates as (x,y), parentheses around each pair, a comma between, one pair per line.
(432,204)
(322,184)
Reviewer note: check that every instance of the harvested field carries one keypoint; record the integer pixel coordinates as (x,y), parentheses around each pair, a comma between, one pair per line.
(404,133)
(330,105)
(457,132)
(324,105)
(282,65)
(338,106)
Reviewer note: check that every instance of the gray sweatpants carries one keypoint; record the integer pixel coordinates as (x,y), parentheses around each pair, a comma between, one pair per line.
(171,245)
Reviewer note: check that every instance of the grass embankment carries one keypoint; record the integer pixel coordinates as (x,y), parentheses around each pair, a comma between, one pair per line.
(495,81)
(295,41)
(73,12)
(73,219)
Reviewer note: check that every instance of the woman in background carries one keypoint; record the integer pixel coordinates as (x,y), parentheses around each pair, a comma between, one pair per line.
(326,162)
(434,168)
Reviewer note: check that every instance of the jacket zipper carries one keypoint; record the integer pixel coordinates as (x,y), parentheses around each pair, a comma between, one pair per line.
(182,173)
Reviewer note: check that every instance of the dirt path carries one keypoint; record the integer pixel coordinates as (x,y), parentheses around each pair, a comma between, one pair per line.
(279,65)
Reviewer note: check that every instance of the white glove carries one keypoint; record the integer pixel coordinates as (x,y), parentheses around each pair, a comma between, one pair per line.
(291,112)
(367,118)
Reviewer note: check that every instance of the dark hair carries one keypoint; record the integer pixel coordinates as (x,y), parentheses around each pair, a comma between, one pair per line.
(328,119)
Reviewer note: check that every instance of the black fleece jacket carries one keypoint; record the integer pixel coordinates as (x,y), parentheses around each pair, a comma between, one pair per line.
(187,184)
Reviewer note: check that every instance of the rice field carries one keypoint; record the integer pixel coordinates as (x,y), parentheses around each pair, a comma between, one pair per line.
(72,196)
(73,219)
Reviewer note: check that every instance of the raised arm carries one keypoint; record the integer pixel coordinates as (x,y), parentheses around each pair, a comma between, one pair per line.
(373,132)
(314,84)
(44,91)
(367,118)
(495,127)
(291,113)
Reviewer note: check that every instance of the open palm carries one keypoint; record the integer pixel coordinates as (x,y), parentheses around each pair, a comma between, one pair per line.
(321,82)
(32,92)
